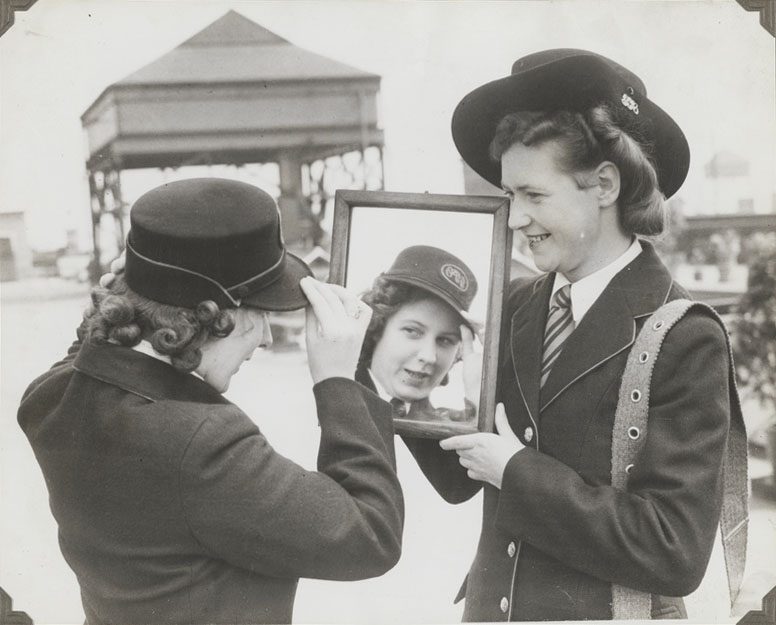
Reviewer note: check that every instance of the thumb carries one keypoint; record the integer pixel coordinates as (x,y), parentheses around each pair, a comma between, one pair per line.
(502,425)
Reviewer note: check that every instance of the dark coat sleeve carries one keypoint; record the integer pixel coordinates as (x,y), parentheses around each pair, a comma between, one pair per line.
(251,506)
(657,536)
(442,469)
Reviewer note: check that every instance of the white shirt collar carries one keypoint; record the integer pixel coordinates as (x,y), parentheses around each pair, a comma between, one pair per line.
(382,392)
(144,347)
(586,291)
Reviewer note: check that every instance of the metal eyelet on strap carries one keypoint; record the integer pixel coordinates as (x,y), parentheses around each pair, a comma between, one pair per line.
(634,433)
(657,325)
(643,357)
(635,396)
(628,469)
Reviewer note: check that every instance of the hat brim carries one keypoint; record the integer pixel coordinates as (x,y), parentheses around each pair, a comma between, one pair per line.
(283,294)
(574,83)
(433,290)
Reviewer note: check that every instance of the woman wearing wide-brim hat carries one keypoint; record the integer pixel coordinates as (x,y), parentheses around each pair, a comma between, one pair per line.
(587,160)
(172,506)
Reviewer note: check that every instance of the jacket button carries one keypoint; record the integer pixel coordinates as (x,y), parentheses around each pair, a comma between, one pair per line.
(504,605)
(528,434)
(511,549)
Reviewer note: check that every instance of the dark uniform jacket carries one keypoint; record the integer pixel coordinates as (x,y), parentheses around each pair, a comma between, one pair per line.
(557,534)
(173,507)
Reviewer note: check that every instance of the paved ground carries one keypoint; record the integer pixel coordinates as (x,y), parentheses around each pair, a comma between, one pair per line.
(37,325)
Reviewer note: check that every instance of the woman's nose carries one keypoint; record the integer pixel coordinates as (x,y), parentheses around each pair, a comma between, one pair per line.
(518,217)
(428,351)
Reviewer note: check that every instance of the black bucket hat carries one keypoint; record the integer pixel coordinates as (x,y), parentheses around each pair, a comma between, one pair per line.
(438,272)
(212,239)
(572,80)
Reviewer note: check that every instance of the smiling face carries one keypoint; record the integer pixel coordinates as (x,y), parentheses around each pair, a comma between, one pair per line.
(222,357)
(418,347)
(564,224)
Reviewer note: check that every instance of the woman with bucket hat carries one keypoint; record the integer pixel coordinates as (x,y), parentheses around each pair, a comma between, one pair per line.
(171,504)
(420,328)
(569,531)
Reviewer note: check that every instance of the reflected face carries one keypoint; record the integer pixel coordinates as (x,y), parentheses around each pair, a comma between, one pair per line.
(562,222)
(222,357)
(418,347)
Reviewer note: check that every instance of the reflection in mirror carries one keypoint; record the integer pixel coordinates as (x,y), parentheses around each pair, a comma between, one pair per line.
(425,265)
(418,270)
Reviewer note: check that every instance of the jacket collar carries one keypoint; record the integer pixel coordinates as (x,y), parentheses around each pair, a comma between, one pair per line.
(142,375)
(608,328)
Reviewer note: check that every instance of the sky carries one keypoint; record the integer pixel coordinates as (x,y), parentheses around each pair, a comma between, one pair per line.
(709,63)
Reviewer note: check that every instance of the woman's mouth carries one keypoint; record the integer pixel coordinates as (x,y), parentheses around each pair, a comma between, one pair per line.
(416,378)
(535,239)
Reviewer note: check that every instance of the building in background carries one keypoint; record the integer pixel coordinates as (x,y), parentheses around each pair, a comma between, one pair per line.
(237,94)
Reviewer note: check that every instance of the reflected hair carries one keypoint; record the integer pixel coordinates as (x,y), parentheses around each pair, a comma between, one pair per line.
(120,316)
(385,298)
(586,140)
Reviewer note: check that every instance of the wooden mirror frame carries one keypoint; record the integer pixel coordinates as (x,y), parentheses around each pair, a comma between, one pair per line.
(501,246)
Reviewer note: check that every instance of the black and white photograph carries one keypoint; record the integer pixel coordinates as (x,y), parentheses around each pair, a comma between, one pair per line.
(387,311)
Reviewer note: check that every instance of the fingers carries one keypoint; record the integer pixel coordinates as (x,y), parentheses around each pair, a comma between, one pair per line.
(310,323)
(478,325)
(463,441)
(107,279)
(324,303)
(467,341)
(332,302)
(117,265)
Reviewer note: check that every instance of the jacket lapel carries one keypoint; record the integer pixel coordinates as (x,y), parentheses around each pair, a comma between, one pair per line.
(527,337)
(609,327)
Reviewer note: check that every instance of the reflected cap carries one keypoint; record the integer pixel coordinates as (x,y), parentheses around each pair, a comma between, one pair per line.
(436,271)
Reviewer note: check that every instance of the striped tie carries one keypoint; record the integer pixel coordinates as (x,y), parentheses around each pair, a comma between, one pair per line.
(399,408)
(560,324)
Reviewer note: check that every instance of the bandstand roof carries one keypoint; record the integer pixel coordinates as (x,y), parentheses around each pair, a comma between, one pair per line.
(233,93)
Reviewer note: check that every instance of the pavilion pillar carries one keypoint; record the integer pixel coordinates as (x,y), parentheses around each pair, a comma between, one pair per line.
(297,227)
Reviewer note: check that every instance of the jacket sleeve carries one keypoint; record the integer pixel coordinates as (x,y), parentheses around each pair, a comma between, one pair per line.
(251,506)
(656,536)
(442,469)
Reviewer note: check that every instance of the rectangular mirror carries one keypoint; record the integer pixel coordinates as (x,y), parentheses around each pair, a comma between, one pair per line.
(450,253)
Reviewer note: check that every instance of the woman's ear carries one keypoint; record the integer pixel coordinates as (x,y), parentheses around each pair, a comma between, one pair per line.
(608,181)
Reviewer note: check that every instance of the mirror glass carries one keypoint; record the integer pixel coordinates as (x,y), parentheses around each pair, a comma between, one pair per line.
(376,237)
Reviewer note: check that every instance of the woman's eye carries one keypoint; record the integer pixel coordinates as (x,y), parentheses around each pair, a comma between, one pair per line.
(412,332)
(447,341)
(534,197)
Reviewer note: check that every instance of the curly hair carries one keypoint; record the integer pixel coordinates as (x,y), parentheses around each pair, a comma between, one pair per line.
(120,316)
(385,298)
(587,140)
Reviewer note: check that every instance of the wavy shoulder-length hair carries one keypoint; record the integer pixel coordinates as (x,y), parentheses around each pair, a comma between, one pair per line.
(120,316)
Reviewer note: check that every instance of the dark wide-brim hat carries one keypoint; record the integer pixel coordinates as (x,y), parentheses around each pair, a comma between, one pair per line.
(438,272)
(212,239)
(570,80)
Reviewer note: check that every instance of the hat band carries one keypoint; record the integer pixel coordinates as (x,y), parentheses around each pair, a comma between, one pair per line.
(177,286)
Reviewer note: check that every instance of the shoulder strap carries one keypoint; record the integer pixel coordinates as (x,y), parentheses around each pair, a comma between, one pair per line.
(629,433)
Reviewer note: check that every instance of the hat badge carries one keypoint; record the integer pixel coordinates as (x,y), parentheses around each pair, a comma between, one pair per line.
(629,103)
(455,276)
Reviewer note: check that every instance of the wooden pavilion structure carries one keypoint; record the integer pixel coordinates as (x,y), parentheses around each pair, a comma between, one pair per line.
(236,93)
